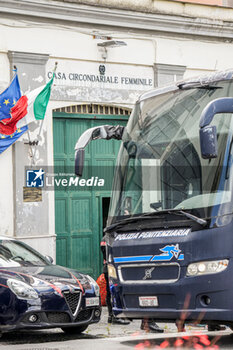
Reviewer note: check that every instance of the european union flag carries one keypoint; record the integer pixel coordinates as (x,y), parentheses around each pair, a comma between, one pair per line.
(9,97)
(8,140)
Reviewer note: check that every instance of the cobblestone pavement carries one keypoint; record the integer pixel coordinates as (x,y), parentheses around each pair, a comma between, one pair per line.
(104,329)
(104,336)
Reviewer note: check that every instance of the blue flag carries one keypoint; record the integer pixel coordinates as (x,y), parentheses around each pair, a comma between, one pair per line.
(9,97)
(8,140)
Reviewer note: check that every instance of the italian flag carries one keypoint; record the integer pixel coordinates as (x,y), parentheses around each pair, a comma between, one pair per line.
(29,108)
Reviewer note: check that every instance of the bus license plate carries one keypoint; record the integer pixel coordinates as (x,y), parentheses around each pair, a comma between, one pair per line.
(148,301)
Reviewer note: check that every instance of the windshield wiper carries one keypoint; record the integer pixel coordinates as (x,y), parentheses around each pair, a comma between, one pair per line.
(122,222)
(179,212)
(156,215)
(200,221)
(197,85)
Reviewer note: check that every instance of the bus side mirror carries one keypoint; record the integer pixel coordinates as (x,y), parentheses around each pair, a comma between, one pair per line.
(208,142)
(104,132)
(79,161)
(208,133)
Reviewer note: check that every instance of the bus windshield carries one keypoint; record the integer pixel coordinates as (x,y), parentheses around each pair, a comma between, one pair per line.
(160,167)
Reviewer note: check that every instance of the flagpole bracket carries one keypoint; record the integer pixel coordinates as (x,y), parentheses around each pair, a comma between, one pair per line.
(32,143)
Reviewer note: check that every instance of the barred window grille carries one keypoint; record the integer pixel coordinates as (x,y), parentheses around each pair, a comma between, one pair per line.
(95,109)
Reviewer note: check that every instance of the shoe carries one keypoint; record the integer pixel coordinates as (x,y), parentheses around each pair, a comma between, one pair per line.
(120,321)
(216,327)
(151,326)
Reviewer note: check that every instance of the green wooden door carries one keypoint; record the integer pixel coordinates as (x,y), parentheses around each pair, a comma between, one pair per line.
(79,212)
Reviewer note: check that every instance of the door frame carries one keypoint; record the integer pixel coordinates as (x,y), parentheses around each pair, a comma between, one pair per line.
(68,113)
(99,196)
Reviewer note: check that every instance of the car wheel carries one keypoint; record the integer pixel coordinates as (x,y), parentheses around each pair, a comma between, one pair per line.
(75,329)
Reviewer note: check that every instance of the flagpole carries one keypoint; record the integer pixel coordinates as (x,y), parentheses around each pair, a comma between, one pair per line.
(37,141)
(41,125)
(31,150)
(38,136)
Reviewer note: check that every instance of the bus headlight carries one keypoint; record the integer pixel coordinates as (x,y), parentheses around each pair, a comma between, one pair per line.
(206,267)
(112,271)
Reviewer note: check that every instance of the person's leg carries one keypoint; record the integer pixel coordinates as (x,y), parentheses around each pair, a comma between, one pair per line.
(180,326)
(108,299)
(111,318)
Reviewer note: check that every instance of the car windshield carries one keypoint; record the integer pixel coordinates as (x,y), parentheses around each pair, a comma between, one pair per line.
(15,254)
(160,167)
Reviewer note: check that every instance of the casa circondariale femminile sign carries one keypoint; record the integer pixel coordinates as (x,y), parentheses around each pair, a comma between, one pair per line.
(101,75)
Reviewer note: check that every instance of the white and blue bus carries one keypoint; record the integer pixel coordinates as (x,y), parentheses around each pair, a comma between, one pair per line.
(170,225)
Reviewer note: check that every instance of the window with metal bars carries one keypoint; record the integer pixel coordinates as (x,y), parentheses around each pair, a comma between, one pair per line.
(95,109)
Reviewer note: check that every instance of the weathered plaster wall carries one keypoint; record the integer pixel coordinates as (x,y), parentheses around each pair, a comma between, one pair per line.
(157,52)
(6,190)
(183,8)
(197,55)
(6,169)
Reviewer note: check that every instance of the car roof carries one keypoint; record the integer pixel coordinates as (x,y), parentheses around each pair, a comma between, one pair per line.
(6,238)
